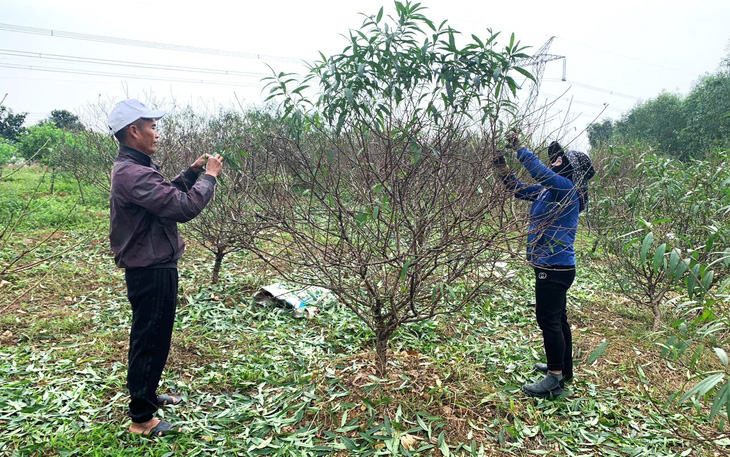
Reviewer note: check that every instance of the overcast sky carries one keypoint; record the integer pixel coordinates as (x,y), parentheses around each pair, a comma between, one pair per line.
(617,53)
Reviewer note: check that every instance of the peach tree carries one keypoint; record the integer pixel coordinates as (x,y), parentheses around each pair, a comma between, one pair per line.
(384,191)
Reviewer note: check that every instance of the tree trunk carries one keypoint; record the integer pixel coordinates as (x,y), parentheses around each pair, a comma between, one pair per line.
(381,353)
(217,266)
(657,316)
(81,191)
(53,179)
(382,335)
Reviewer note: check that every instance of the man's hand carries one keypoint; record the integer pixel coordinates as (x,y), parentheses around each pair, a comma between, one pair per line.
(198,165)
(214,166)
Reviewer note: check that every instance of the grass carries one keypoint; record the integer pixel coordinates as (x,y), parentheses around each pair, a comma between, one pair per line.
(257,381)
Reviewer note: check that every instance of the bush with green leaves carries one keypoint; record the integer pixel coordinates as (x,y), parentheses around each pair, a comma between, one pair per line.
(663,223)
(383,190)
(41,142)
(665,231)
(8,153)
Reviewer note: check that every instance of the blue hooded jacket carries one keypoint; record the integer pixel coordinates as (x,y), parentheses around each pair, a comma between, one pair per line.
(553,214)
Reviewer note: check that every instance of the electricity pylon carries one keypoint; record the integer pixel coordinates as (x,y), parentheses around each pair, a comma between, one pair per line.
(538,61)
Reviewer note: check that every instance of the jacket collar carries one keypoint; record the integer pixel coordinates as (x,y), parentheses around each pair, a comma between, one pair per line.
(125,152)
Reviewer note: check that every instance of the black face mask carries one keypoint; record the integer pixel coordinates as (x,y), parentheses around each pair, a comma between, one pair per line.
(564,169)
(555,151)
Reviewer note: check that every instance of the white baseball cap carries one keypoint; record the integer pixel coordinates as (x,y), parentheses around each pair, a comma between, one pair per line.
(128,111)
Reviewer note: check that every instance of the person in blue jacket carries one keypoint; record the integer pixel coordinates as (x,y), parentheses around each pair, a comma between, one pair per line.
(560,194)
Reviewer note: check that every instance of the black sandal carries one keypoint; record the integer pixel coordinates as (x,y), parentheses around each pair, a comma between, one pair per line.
(168,400)
(163,428)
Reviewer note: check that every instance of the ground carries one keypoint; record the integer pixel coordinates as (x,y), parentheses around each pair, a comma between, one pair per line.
(257,381)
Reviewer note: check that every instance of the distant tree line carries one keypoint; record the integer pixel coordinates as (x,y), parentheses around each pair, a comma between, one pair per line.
(683,127)
(11,124)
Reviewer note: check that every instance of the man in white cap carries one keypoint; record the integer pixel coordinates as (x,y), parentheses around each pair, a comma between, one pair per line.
(145,210)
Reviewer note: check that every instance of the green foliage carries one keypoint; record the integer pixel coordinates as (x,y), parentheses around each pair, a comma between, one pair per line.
(683,127)
(26,202)
(600,133)
(657,122)
(8,152)
(11,125)
(663,223)
(64,119)
(41,142)
(706,111)
(407,67)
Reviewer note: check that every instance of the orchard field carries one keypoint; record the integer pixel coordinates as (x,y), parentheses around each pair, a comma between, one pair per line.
(380,193)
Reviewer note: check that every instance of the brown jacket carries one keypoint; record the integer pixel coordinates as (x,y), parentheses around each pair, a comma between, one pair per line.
(145,210)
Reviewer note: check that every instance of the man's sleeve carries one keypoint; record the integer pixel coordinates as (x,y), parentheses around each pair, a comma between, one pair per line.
(147,188)
(185,180)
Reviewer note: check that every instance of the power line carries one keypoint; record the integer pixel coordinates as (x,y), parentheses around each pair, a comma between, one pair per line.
(142,43)
(121,75)
(578,102)
(124,63)
(646,62)
(599,89)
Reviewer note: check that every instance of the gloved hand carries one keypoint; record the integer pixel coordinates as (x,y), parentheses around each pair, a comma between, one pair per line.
(513,140)
(499,163)
(498,160)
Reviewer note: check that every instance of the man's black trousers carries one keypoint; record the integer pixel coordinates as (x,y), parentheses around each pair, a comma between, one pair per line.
(551,289)
(153,295)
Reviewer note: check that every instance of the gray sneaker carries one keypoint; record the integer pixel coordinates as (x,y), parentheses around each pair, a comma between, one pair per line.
(550,386)
(542,368)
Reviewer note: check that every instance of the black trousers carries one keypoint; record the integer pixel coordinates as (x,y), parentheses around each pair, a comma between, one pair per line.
(153,295)
(551,289)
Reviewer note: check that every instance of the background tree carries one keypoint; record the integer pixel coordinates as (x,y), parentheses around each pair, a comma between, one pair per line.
(8,152)
(600,133)
(64,119)
(657,123)
(707,114)
(11,125)
(684,127)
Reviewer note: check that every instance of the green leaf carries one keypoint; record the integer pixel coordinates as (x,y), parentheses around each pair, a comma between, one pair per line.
(380,15)
(659,257)
(691,280)
(405,268)
(598,352)
(673,262)
(681,268)
(525,73)
(721,399)
(512,85)
(722,355)
(703,387)
(707,279)
(443,447)
(648,239)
